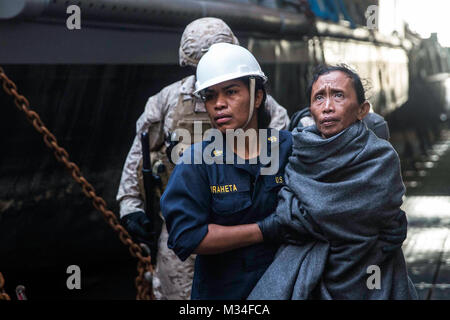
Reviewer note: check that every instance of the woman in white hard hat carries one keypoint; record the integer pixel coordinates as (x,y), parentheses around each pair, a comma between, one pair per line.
(211,209)
(175,106)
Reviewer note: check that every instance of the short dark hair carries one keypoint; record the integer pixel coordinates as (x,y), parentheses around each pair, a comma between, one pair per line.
(325,69)
(264,117)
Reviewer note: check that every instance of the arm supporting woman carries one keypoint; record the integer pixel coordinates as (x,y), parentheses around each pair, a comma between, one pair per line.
(225,238)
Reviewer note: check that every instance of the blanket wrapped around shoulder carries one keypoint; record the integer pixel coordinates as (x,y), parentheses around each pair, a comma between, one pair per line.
(340,194)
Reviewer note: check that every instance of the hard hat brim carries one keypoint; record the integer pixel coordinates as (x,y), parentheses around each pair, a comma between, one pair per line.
(228,77)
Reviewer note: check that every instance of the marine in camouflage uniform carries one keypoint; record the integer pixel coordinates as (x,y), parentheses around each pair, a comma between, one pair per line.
(174,107)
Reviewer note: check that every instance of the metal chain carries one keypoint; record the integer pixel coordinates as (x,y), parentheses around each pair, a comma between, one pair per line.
(144,267)
(3,294)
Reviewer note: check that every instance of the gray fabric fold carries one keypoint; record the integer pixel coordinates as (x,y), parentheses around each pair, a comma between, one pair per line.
(341,193)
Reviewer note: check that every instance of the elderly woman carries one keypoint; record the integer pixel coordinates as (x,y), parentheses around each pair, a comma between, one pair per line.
(340,204)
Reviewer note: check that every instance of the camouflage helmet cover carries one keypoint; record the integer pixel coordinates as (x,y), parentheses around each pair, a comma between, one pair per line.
(199,35)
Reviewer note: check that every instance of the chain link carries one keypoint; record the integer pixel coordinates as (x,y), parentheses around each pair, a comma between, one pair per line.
(144,288)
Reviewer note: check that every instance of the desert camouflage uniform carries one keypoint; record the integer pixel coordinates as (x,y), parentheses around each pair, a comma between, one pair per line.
(173,107)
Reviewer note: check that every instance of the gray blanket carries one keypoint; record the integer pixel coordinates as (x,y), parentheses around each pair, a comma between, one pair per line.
(341,193)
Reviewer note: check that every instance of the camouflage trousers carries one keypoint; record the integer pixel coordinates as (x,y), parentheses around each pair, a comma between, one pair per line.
(173,278)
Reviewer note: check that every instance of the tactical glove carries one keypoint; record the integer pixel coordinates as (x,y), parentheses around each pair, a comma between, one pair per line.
(138,225)
(274,230)
(395,236)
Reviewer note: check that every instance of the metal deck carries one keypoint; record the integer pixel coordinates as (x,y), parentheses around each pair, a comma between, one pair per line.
(427,205)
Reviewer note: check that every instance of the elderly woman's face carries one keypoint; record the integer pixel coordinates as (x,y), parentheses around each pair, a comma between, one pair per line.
(228,105)
(334,104)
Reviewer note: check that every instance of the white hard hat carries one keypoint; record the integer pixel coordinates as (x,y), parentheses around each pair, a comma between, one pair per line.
(223,62)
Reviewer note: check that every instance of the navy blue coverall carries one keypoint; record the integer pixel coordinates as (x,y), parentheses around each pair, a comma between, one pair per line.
(224,194)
